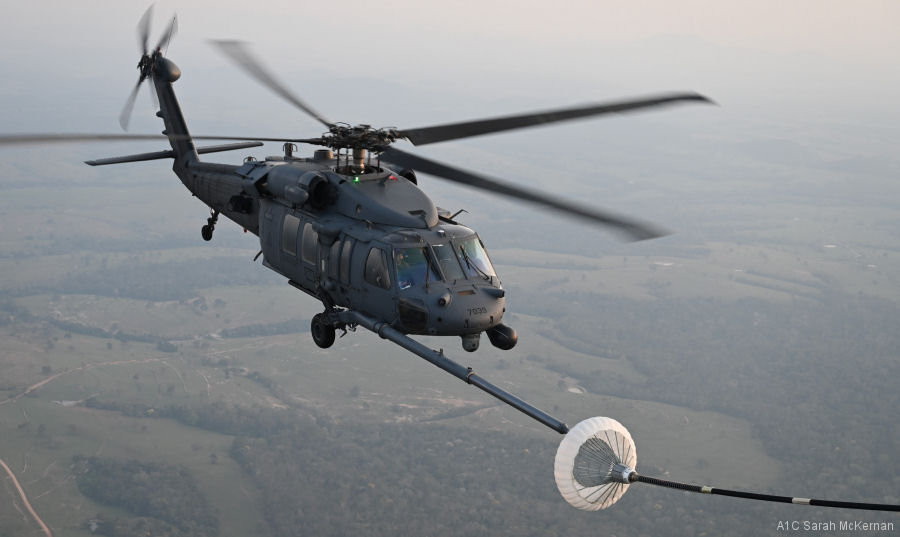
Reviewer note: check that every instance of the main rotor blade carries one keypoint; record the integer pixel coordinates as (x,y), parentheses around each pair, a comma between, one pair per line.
(125,115)
(170,32)
(238,52)
(633,229)
(26,139)
(143,29)
(452,131)
(35,139)
(312,141)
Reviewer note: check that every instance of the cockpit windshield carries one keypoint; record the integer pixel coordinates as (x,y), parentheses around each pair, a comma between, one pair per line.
(413,267)
(474,259)
(448,261)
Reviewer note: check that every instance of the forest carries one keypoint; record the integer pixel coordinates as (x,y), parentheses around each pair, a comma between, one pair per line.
(741,358)
(163,498)
(321,476)
(326,476)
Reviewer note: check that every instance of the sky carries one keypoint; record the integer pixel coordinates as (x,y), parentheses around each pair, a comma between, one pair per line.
(816,77)
(831,53)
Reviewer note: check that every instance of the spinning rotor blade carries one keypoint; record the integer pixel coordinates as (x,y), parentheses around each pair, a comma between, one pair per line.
(25,139)
(238,52)
(154,99)
(633,229)
(313,141)
(170,32)
(452,131)
(125,115)
(143,29)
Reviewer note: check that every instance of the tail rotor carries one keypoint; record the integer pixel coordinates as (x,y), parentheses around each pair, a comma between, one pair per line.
(147,61)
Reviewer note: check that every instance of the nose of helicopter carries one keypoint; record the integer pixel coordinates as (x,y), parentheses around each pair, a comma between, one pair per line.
(468,310)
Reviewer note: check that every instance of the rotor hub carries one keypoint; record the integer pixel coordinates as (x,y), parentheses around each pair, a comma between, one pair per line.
(144,64)
(344,136)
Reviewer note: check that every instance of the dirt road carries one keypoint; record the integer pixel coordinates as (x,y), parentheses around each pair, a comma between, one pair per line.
(25,499)
(82,368)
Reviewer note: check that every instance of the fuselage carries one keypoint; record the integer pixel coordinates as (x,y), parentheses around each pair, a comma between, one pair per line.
(372,242)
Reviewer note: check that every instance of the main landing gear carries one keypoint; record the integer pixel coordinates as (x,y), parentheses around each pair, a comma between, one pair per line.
(207,230)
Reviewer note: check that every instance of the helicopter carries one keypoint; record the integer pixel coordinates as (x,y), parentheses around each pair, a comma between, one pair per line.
(349,225)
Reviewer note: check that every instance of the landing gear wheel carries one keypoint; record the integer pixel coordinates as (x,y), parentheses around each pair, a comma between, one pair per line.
(210,226)
(321,330)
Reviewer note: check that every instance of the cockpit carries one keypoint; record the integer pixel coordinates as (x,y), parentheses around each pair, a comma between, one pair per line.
(446,285)
(414,267)
(450,261)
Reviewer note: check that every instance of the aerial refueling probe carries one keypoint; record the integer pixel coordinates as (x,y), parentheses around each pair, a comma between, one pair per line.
(595,461)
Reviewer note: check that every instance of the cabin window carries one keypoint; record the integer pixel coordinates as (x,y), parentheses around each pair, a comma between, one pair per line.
(448,262)
(346,252)
(414,267)
(334,260)
(310,238)
(289,230)
(376,269)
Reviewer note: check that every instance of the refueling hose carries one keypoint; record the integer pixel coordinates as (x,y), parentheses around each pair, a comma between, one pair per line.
(635,477)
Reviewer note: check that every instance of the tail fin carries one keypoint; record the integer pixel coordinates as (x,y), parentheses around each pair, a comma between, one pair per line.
(165,72)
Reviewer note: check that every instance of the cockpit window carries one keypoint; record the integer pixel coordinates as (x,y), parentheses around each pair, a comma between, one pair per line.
(448,262)
(474,259)
(413,267)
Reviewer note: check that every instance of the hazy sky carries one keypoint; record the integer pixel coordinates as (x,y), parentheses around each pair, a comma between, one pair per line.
(820,74)
(833,53)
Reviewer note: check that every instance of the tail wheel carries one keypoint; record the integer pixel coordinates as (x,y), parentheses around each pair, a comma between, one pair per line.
(322,331)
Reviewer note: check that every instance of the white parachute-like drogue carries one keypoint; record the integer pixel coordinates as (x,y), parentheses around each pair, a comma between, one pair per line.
(594,463)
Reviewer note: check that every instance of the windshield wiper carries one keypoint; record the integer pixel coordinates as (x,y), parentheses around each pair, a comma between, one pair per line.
(472,265)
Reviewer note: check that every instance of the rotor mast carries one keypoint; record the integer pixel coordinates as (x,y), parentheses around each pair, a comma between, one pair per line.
(359,160)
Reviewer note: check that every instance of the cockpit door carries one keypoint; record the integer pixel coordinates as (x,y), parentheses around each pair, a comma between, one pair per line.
(378,285)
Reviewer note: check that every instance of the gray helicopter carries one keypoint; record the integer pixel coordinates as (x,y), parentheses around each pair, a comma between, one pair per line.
(349,226)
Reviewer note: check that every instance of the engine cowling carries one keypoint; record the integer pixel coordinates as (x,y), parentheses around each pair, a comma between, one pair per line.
(300,187)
